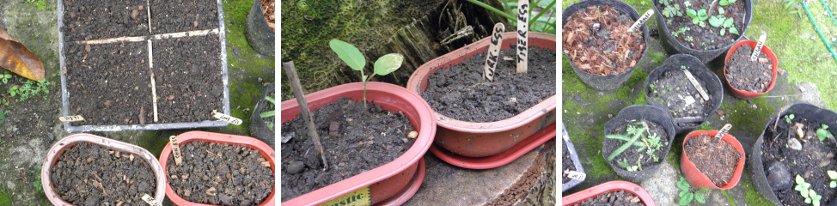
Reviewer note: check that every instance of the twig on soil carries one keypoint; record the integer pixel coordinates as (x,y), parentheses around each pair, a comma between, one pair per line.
(153,83)
(290,70)
(712,7)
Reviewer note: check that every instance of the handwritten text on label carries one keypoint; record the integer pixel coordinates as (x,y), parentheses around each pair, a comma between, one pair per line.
(150,200)
(77,118)
(522,36)
(493,52)
(226,118)
(356,198)
(757,50)
(639,22)
(175,150)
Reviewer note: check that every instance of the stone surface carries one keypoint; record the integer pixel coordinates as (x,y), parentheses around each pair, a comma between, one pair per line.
(663,187)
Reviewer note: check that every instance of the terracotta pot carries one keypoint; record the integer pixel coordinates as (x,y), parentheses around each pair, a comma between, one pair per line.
(743,94)
(697,178)
(67,142)
(392,181)
(485,139)
(608,187)
(198,136)
(497,160)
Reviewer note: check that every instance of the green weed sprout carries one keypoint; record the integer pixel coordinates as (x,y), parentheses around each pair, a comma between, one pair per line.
(823,133)
(5,78)
(833,176)
(687,195)
(635,137)
(804,188)
(726,2)
(789,118)
(698,16)
(352,56)
(721,21)
(269,114)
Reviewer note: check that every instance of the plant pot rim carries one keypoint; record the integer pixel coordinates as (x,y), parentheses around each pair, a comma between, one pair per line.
(729,139)
(748,18)
(425,125)
(744,94)
(707,84)
(426,70)
(497,160)
(58,148)
(574,157)
(608,187)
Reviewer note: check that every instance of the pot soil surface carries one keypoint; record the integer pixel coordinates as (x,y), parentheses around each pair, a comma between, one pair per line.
(783,162)
(693,35)
(614,198)
(596,40)
(631,155)
(268,6)
(89,174)
(714,158)
(220,174)
(355,139)
(460,92)
(189,80)
(87,20)
(169,16)
(747,75)
(675,92)
(567,164)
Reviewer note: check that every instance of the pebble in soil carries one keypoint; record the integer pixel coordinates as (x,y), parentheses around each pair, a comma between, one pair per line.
(220,174)
(714,158)
(355,139)
(89,174)
(743,74)
(460,92)
(621,198)
(674,91)
(596,40)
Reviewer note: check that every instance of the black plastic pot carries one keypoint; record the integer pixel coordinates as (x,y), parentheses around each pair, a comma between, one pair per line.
(259,35)
(609,82)
(574,157)
(657,115)
(711,82)
(258,126)
(800,110)
(671,43)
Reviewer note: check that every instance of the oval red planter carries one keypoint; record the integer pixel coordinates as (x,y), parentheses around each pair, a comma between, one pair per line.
(697,178)
(743,94)
(484,139)
(59,147)
(394,182)
(198,136)
(608,187)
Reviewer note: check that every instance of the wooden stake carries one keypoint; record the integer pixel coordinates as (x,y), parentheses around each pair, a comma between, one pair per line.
(723,131)
(153,82)
(523,36)
(695,83)
(639,22)
(303,105)
(493,52)
(759,45)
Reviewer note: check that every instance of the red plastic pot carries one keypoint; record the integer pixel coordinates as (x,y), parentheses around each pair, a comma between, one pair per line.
(198,136)
(697,178)
(608,187)
(485,139)
(395,182)
(67,142)
(743,94)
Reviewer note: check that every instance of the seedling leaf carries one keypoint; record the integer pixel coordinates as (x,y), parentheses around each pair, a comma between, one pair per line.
(388,63)
(700,197)
(348,53)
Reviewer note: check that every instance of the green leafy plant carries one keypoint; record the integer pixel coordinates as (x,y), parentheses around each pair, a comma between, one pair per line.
(726,2)
(804,188)
(671,9)
(5,77)
(543,21)
(269,114)
(40,4)
(680,31)
(352,56)
(3,114)
(823,133)
(698,16)
(833,176)
(636,137)
(789,118)
(794,7)
(29,89)
(721,21)
(687,195)
(629,167)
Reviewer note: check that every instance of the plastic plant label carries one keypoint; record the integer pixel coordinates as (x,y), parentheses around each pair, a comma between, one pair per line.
(723,131)
(226,118)
(522,36)
(361,197)
(150,200)
(175,150)
(77,118)
(575,175)
(493,52)
(696,84)
(759,45)
(642,19)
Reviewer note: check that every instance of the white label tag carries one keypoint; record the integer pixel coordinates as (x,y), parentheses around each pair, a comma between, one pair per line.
(575,175)
(226,118)
(642,19)
(696,84)
(175,150)
(757,50)
(77,118)
(150,200)
(723,131)
(522,36)
(493,52)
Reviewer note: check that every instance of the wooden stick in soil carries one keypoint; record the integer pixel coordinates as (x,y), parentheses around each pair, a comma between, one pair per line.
(303,105)
(523,36)
(642,19)
(722,132)
(493,52)
(695,83)
(759,45)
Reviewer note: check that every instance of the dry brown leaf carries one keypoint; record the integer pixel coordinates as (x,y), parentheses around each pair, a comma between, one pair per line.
(16,58)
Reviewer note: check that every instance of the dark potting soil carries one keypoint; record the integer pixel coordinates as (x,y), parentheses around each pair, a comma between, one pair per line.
(169,16)
(188,78)
(355,140)
(220,174)
(109,84)
(567,164)
(460,92)
(782,163)
(89,174)
(87,20)
(714,158)
(621,198)
(707,37)
(747,75)
(631,155)
(675,92)
(597,41)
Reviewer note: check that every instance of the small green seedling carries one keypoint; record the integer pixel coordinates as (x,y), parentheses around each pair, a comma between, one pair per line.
(680,31)
(698,16)
(671,9)
(5,78)
(823,133)
(636,137)
(269,114)
(721,21)
(804,188)
(352,56)
(726,2)
(687,195)
(789,118)
(833,176)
